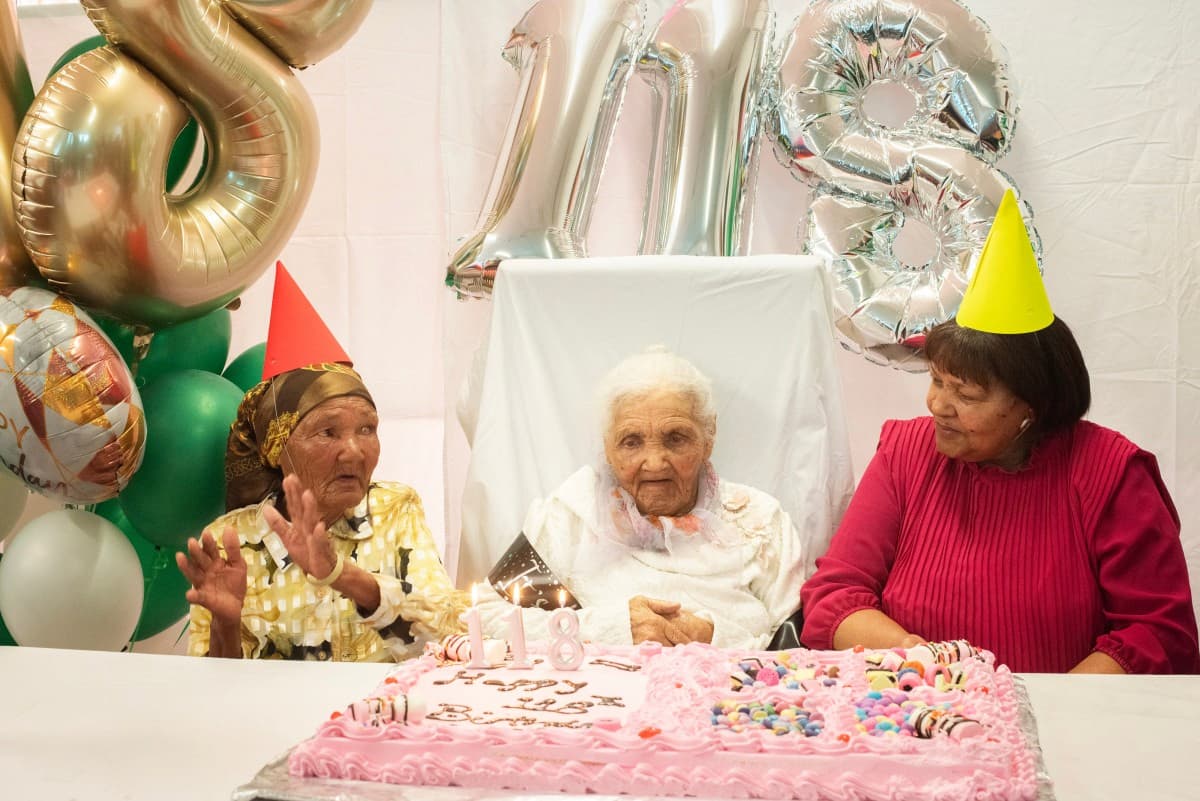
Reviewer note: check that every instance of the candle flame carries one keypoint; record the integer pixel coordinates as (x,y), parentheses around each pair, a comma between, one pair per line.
(516,593)
(474,595)
(562,598)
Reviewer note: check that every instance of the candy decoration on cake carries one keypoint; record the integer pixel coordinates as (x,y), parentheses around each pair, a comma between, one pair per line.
(935,664)
(788,673)
(942,653)
(882,669)
(779,718)
(457,648)
(946,677)
(907,679)
(931,721)
(880,679)
(382,710)
(886,712)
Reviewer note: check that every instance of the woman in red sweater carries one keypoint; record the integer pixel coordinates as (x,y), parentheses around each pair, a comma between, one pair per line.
(1007,520)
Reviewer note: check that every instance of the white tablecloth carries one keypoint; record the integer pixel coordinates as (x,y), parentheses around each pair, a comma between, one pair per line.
(85,726)
(758,326)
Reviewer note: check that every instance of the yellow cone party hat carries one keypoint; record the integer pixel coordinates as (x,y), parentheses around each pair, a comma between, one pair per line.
(1006,294)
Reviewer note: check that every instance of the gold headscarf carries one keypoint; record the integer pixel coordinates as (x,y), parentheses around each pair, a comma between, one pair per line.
(267,416)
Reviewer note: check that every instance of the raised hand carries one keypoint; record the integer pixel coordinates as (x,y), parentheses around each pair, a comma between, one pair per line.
(218,582)
(304,536)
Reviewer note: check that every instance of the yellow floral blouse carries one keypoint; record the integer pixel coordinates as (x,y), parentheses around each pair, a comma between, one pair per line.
(286,617)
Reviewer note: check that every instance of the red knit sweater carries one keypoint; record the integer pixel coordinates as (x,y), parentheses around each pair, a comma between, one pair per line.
(1077,552)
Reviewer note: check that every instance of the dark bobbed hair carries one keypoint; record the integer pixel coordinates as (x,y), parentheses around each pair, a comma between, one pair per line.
(1043,368)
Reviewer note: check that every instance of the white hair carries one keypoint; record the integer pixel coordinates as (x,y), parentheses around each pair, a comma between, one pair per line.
(656,369)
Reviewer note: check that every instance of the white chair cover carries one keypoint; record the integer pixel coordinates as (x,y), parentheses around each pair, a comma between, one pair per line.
(758,326)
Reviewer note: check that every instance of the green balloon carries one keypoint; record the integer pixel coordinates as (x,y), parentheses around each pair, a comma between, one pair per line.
(75,51)
(246,370)
(200,344)
(120,334)
(185,142)
(5,637)
(164,601)
(180,487)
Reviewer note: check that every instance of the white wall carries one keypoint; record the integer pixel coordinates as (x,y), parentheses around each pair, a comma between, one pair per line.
(1107,153)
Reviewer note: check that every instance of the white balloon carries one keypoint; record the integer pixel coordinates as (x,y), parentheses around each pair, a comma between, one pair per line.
(13,494)
(70,579)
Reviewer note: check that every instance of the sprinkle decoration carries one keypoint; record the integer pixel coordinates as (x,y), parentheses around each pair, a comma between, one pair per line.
(734,715)
(784,672)
(894,713)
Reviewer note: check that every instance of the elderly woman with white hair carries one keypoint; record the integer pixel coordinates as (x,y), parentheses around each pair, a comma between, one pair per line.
(652,544)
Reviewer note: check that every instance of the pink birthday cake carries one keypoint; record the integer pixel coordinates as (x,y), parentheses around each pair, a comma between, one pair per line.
(940,721)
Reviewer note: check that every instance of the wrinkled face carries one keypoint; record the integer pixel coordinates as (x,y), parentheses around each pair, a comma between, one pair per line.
(333,450)
(976,424)
(657,449)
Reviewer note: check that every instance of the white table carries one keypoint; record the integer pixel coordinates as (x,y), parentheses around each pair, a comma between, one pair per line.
(108,727)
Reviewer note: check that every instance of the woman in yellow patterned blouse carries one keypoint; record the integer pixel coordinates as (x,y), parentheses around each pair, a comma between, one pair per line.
(322,563)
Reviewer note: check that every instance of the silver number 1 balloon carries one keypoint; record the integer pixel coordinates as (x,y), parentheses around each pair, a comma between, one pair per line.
(573,57)
(704,63)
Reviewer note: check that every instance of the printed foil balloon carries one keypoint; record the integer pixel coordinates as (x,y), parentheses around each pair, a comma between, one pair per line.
(573,57)
(16,93)
(90,159)
(883,304)
(841,50)
(71,422)
(704,63)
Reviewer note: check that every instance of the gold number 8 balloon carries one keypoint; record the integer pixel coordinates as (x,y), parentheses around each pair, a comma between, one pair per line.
(89,165)
(872,178)
(16,93)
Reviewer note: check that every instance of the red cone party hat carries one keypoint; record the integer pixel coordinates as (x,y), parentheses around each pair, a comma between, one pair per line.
(298,336)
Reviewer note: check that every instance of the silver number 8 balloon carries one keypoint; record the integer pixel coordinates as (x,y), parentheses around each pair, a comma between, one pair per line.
(871,178)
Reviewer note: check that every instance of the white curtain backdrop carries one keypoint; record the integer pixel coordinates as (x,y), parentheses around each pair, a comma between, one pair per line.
(1107,152)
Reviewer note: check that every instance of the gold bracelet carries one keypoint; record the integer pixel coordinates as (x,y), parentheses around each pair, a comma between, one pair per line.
(333,576)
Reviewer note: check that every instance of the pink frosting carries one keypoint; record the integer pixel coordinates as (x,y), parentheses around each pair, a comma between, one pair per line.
(641,721)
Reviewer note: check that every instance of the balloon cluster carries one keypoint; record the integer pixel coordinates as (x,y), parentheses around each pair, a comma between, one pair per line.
(115,277)
(831,97)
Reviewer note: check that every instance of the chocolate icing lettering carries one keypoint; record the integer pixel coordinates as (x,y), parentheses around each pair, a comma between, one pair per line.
(618,665)
(550,705)
(463,675)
